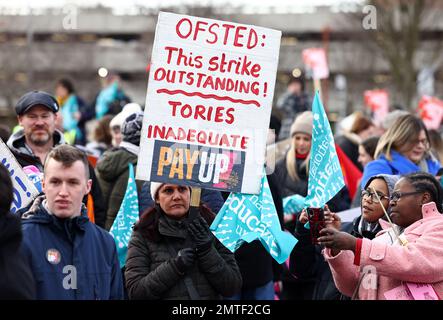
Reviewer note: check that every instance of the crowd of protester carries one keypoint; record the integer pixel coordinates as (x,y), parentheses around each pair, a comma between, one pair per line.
(172,254)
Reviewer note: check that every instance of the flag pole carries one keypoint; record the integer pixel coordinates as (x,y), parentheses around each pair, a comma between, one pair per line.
(195,202)
(317,86)
(389,219)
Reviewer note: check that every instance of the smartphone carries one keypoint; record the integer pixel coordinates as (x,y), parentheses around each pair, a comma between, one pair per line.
(316,218)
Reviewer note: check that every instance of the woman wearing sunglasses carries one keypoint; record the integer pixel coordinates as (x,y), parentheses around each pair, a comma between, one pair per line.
(413,253)
(402,149)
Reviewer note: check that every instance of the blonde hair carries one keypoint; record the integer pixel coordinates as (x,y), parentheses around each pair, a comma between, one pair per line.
(291,161)
(404,130)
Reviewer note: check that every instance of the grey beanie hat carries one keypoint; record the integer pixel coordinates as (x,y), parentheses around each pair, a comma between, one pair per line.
(390,180)
(302,124)
(132,127)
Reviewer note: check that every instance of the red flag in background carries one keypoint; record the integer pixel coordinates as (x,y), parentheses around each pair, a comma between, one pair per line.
(351,173)
(430,110)
(378,102)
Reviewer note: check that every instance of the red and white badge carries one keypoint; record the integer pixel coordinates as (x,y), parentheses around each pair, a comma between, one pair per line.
(53,256)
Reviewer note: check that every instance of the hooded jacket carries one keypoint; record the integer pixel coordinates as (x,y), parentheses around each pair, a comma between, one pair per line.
(16,280)
(399,165)
(71,259)
(23,153)
(419,261)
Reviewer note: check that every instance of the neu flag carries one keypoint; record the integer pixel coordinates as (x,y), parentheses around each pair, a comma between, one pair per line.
(325,175)
(126,217)
(248,217)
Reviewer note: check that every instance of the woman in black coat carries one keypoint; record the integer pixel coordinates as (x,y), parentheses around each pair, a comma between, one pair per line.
(173,255)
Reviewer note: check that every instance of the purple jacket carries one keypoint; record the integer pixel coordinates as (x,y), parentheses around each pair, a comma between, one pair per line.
(421,260)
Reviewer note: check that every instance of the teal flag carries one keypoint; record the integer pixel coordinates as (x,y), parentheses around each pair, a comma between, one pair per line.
(126,217)
(325,175)
(247,217)
(293,204)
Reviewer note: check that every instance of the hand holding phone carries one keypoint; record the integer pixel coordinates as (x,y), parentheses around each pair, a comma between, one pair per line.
(316,218)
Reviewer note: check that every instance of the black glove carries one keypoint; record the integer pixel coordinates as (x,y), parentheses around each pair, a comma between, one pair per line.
(200,233)
(185,259)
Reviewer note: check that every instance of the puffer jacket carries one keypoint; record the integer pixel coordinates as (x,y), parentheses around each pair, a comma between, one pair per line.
(59,248)
(151,274)
(419,261)
(113,173)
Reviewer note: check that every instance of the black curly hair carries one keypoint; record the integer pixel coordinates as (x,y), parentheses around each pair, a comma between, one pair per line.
(426,182)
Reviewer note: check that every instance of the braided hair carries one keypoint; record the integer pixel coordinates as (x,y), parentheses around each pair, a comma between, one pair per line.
(426,182)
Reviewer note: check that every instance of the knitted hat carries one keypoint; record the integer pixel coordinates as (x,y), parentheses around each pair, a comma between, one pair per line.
(132,127)
(128,109)
(302,124)
(155,186)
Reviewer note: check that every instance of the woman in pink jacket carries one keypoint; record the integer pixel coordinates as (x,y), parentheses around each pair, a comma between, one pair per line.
(382,268)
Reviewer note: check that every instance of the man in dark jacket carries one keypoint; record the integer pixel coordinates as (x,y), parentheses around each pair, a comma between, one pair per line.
(16,281)
(36,113)
(71,258)
(112,168)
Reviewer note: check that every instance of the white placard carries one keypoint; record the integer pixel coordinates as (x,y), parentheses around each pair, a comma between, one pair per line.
(24,190)
(208,103)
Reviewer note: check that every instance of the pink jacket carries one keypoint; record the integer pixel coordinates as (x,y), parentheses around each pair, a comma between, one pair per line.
(421,260)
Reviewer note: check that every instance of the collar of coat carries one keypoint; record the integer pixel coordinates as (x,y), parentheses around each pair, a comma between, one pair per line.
(17,142)
(171,227)
(37,213)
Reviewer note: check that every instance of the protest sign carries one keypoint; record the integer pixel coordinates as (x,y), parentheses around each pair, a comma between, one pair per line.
(325,175)
(24,190)
(378,102)
(430,110)
(208,103)
(316,63)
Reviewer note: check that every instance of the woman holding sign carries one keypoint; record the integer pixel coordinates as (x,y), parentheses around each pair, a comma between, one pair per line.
(405,264)
(172,255)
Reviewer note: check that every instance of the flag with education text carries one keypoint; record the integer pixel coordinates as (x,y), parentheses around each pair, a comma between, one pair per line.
(246,217)
(325,175)
(126,217)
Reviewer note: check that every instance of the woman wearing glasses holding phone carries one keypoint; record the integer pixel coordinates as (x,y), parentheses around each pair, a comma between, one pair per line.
(374,196)
(403,149)
(413,253)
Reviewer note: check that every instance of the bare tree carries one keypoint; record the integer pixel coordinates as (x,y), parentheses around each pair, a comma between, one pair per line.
(399,36)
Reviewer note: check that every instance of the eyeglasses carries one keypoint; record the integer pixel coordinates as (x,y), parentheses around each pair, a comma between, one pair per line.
(424,142)
(374,198)
(395,196)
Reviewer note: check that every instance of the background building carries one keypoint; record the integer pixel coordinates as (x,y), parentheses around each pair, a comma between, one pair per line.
(38,45)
